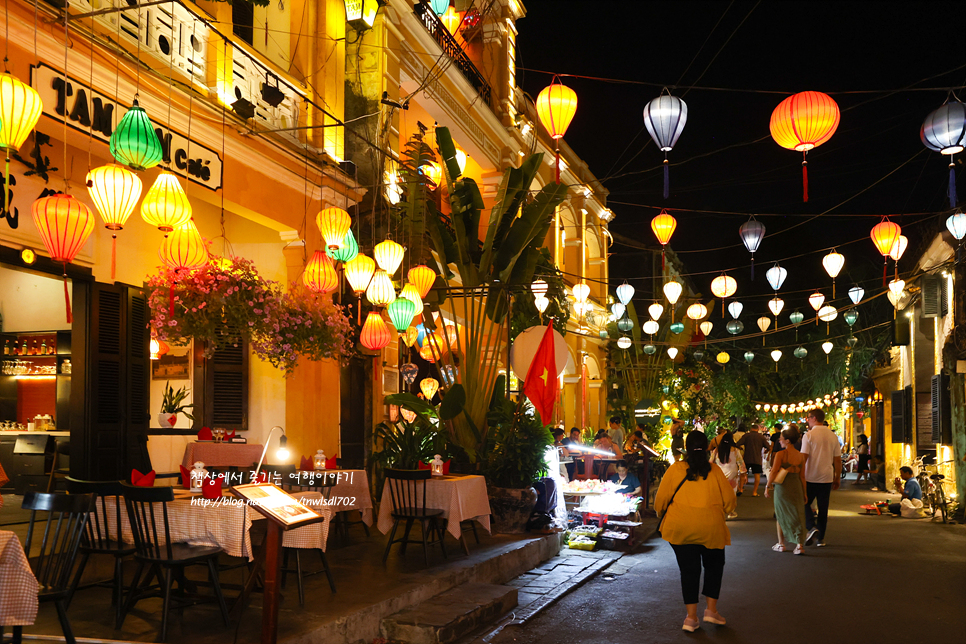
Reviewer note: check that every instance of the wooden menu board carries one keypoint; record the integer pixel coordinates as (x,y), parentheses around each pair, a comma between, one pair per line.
(274,503)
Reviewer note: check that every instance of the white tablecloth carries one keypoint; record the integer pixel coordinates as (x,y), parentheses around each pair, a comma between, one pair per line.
(459,497)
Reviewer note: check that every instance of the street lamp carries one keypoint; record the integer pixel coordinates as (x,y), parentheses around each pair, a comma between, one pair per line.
(361,14)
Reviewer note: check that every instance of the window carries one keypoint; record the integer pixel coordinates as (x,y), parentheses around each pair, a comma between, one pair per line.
(243,20)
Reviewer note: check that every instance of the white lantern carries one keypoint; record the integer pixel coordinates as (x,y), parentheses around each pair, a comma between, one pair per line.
(816,300)
(734,308)
(776,355)
(899,247)
(541,303)
(856,293)
(581,292)
(618,310)
(672,291)
(697,311)
(763,323)
(651,327)
(672,352)
(624,342)
(706,327)
(827,347)
(775,305)
(833,263)
(655,310)
(827,313)
(538,288)
(776,276)
(625,293)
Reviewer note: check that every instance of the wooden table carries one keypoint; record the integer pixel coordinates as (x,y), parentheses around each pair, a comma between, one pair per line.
(240,455)
(19,587)
(459,497)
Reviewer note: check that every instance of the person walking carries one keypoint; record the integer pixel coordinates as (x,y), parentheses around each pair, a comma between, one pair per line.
(727,456)
(862,449)
(753,442)
(789,494)
(693,501)
(823,472)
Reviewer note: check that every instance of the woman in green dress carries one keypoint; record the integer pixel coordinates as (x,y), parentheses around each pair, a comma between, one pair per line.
(790,494)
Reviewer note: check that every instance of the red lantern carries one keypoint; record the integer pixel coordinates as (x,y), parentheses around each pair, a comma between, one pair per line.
(375,334)
(320,275)
(804,121)
(64,224)
(884,236)
(422,277)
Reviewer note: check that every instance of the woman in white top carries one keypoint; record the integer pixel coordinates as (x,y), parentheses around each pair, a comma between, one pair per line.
(727,456)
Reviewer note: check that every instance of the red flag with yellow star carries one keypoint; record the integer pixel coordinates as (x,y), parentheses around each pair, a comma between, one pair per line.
(540,385)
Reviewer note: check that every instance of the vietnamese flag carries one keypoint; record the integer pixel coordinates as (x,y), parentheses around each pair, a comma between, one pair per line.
(540,385)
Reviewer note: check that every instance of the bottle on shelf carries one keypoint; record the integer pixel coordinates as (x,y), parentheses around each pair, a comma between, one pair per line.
(43,348)
(6,348)
(23,350)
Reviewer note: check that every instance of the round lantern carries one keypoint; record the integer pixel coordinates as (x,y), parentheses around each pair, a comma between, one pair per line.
(796,317)
(884,236)
(556,105)
(775,305)
(899,248)
(706,327)
(432,171)
(389,256)
(944,131)
(380,291)
(348,250)
(375,334)
(20,109)
(804,121)
(827,313)
(776,276)
(625,293)
(625,325)
(735,308)
(672,291)
(856,293)
(617,310)
(650,349)
(439,6)
(676,327)
(650,327)
(429,387)
(165,206)
(624,342)
(749,356)
(663,226)
(333,223)
(411,293)
(581,292)
(697,311)
(665,118)
(134,142)
(723,357)
(655,310)
(538,288)
(115,191)
(320,275)
(64,224)
(735,327)
(723,286)
(800,353)
(672,352)
(751,233)
(358,271)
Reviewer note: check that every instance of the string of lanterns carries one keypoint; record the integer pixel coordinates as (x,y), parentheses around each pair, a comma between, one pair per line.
(819,402)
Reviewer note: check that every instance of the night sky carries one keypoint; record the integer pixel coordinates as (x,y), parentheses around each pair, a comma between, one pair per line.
(756,54)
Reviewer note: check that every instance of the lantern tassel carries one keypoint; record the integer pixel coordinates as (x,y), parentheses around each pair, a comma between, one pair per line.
(171,299)
(952,184)
(557,164)
(70,316)
(752,268)
(804,181)
(667,178)
(6,185)
(113,256)
(885,267)
(662,257)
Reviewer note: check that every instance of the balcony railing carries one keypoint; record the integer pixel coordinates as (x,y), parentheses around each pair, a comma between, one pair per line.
(451,48)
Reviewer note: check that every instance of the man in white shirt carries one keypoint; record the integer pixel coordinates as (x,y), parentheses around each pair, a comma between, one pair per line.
(823,470)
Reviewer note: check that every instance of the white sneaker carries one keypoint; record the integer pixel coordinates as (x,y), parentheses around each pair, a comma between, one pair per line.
(810,539)
(733,515)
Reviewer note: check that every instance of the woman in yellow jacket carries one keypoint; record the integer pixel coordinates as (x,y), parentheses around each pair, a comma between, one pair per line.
(693,501)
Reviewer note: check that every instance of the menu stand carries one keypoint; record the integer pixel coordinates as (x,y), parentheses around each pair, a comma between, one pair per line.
(283,512)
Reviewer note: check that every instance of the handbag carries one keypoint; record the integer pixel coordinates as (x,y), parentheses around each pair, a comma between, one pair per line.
(780,477)
(663,516)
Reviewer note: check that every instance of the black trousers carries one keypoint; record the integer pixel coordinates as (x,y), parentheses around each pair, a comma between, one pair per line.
(690,557)
(817,492)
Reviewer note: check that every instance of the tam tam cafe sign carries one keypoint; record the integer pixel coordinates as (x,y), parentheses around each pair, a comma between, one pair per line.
(89,111)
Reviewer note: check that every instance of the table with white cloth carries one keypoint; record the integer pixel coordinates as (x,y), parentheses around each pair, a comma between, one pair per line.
(18,586)
(240,455)
(459,497)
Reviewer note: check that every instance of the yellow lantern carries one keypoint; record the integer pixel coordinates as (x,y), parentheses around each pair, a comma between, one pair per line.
(556,105)
(663,226)
(775,305)
(166,206)
(411,293)
(380,291)
(358,271)
(429,387)
(723,357)
(706,327)
(423,278)
(389,256)
(333,223)
(184,249)
(20,109)
(432,171)
(115,191)
(723,286)
(672,291)
(697,311)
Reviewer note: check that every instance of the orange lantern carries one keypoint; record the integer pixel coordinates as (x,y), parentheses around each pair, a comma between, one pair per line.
(423,278)
(426,353)
(333,223)
(723,286)
(64,224)
(804,121)
(158,348)
(556,105)
(432,171)
(115,191)
(182,250)
(320,275)
(375,334)
(884,236)
(663,226)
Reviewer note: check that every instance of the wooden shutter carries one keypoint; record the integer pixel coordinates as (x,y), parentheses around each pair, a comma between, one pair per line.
(902,416)
(879,429)
(138,378)
(941,417)
(931,295)
(226,390)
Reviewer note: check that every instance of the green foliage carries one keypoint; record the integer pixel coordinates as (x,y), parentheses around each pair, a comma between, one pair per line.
(171,402)
(525,313)
(405,444)
(516,445)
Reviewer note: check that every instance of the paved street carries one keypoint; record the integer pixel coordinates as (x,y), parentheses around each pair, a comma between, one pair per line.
(881,579)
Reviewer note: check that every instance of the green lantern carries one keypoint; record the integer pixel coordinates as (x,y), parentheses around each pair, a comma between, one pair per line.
(749,356)
(677,327)
(650,349)
(796,317)
(851,316)
(348,251)
(801,352)
(603,334)
(401,313)
(735,327)
(134,143)
(625,325)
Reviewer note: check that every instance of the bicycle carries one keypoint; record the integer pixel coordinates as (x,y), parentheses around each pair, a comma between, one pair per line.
(937,496)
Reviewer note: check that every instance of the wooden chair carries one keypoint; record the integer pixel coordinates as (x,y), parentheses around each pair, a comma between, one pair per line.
(407,492)
(62,531)
(60,467)
(98,539)
(147,510)
(322,485)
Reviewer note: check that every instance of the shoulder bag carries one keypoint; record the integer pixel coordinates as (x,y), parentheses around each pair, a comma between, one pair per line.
(664,516)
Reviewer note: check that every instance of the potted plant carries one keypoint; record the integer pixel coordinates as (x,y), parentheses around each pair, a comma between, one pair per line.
(171,406)
(404,444)
(516,446)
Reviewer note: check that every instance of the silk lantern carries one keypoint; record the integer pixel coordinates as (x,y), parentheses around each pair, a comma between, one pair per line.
(749,356)
(423,278)
(115,191)
(411,293)
(389,256)
(663,226)
(956,223)
(706,327)
(134,142)
(802,122)
(655,310)
(347,252)
(751,233)
(827,348)
(439,6)
(672,352)
(542,303)
(625,325)
(624,342)
(796,317)
(723,286)
(944,131)
(899,248)
(775,305)
(676,327)
(800,353)
(776,276)
(896,287)
(320,275)
(649,349)
(697,311)
(183,251)
(884,235)
(429,387)
(776,355)
(651,327)
(333,223)
(375,334)
(763,323)
(539,288)
(625,293)
(735,327)
(617,310)
(672,291)
(64,224)
(581,292)
(833,263)
(432,171)
(827,313)
(723,357)
(665,118)
(380,291)
(20,109)
(165,206)
(851,316)
(556,105)
(856,293)
(735,308)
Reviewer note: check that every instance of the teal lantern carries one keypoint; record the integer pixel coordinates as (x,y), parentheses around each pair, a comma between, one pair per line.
(666,389)
(796,317)
(749,356)
(800,353)
(735,327)
(851,316)
(134,143)
(603,334)
(625,325)
(401,313)
(699,355)
(650,349)
(439,6)
(852,340)
(348,251)
(677,327)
